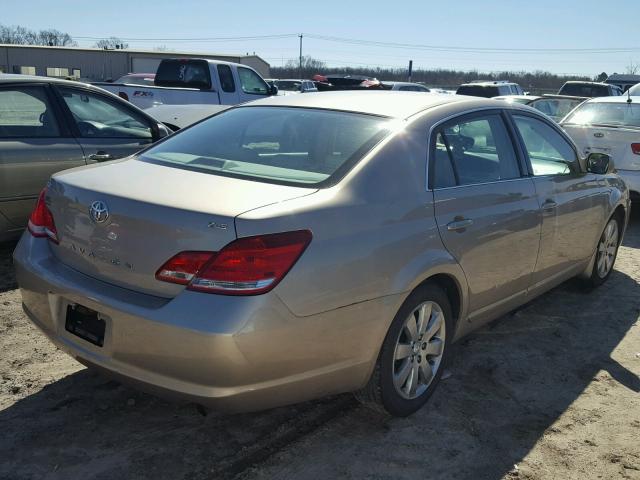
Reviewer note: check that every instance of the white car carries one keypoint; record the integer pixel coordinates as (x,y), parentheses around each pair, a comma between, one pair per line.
(610,125)
(405,87)
(177,117)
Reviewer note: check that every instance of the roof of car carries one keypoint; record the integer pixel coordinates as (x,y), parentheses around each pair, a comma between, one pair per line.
(514,97)
(388,103)
(18,78)
(616,99)
(586,82)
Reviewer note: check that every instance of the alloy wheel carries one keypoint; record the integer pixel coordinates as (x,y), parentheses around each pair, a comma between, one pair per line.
(419,349)
(607,248)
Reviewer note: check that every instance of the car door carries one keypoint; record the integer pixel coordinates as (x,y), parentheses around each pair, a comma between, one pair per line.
(486,209)
(228,90)
(105,127)
(573,203)
(34,144)
(252,85)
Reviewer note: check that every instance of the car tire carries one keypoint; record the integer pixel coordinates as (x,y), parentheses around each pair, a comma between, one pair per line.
(606,253)
(423,348)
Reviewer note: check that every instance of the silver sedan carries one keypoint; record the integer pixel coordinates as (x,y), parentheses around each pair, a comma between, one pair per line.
(309,245)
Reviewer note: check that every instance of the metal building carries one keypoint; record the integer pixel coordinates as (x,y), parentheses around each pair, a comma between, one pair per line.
(100,65)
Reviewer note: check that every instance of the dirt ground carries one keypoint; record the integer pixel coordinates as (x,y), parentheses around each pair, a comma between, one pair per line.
(549,392)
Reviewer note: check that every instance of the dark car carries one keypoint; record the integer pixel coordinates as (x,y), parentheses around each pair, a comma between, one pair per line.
(48,125)
(346,82)
(489,89)
(590,89)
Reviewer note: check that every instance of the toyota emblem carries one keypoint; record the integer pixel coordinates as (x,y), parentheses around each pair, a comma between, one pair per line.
(98,211)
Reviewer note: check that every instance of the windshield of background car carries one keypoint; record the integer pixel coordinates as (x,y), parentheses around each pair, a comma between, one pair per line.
(478,91)
(288,85)
(600,113)
(556,108)
(585,90)
(291,146)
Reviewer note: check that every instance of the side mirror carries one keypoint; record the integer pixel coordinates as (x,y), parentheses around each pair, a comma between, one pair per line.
(599,163)
(273,90)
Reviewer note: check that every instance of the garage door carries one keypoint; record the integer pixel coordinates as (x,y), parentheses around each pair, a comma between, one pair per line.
(145,65)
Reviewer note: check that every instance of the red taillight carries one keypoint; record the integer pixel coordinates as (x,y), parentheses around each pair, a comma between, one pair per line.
(635,148)
(41,222)
(183,267)
(123,95)
(246,266)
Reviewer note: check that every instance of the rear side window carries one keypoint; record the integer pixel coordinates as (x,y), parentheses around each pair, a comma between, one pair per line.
(475,150)
(291,146)
(549,152)
(251,82)
(26,112)
(227,82)
(184,73)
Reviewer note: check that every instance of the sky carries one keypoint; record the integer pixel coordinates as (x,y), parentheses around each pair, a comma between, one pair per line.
(567,37)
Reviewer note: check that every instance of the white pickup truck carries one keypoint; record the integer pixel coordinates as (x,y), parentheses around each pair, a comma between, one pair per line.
(181,82)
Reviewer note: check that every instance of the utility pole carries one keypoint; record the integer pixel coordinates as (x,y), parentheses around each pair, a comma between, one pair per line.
(410,69)
(300,64)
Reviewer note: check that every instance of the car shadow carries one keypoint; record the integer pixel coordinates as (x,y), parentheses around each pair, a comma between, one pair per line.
(7,276)
(512,383)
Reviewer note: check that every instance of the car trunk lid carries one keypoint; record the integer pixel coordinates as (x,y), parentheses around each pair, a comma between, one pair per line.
(154,212)
(612,140)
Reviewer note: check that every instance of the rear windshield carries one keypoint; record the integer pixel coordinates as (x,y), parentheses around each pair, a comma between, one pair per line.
(290,146)
(183,73)
(584,90)
(478,91)
(609,114)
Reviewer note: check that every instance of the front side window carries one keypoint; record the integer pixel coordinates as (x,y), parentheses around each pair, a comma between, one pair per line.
(98,117)
(549,152)
(26,112)
(295,146)
(227,82)
(251,82)
(478,150)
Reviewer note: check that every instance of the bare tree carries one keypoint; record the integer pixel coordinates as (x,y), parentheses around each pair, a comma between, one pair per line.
(55,38)
(111,43)
(633,68)
(310,66)
(16,35)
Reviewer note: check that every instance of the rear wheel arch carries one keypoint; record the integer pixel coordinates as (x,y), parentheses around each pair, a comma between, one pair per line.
(620,214)
(450,285)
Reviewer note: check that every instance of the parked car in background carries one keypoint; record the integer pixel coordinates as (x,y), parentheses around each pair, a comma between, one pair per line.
(186,81)
(289,86)
(555,106)
(624,81)
(302,246)
(612,126)
(490,89)
(589,89)
(176,117)
(404,86)
(47,125)
(137,79)
(346,82)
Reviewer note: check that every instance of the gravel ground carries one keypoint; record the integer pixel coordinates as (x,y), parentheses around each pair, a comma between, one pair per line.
(549,392)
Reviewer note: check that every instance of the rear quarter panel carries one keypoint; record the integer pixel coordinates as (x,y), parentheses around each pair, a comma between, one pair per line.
(374,233)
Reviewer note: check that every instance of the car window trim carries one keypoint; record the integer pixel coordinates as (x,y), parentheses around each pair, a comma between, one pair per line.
(473,113)
(552,124)
(63,128)
(109,98)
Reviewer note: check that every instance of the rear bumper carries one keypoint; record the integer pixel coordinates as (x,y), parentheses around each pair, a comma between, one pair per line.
(231,353)
(632,179)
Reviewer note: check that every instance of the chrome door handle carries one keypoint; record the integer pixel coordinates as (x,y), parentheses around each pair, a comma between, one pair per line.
(459,224)
(549,205)
(100,156)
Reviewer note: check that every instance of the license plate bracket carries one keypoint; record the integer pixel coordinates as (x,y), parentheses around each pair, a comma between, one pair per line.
(86,324)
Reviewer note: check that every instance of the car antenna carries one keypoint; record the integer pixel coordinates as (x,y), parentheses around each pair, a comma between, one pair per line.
(629,96)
